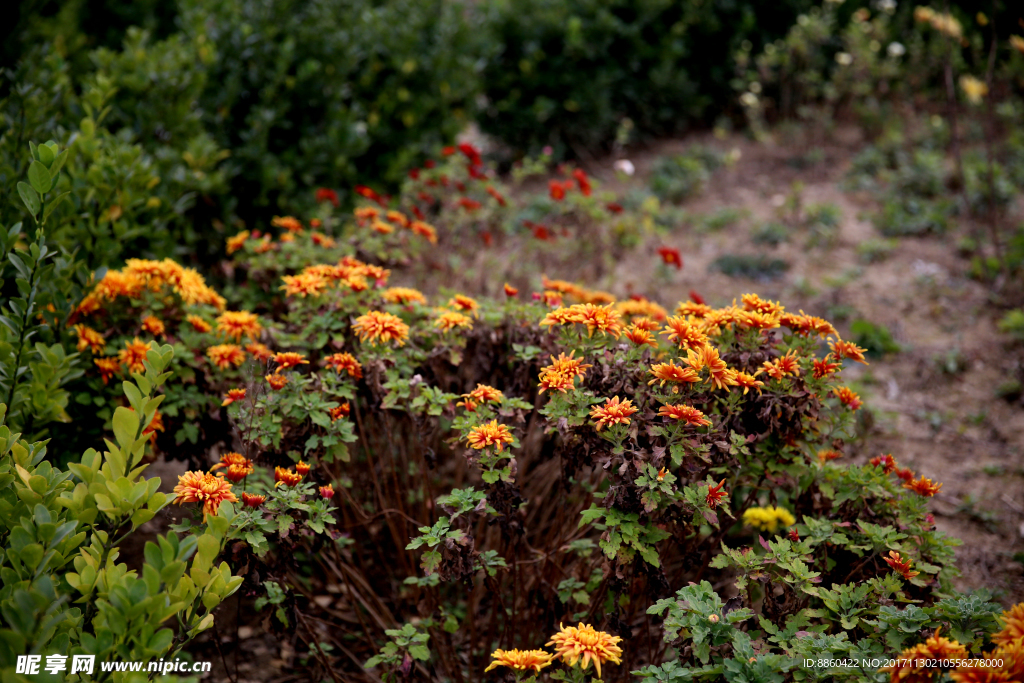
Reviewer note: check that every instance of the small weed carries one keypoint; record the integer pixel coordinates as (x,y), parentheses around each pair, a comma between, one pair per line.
(903,215)
(1011,390)
(876,250)
(877,339)
(988,518)
(996,470)
(1013,324)
(723,218)
(841,312)
(680,177)
(758,267)
(951,362)
(773,234)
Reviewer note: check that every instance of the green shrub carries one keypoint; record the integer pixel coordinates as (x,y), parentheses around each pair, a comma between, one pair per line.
(773,234)
(877,339)
(569,72)
(759,267)
(331,93)
(683,176)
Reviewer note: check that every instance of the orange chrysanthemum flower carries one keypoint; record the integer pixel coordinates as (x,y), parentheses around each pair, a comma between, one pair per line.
(463,303)
(642,308)
(289,359)
(584,644)
(640,336)
(510,291)
(366,213)
(564,287)
(233,395)
(253,500)
(424,230)
(825,367)
(450,320)
(327,492)
(89,338)
(716,492)
(645,323)
(304,284)
(1013,626)
(693,308)
(345,362)
(719,374)
(670,372)
(198,324)
(403,295)
(259,351)
(339,412)
(398,218)
(133,355)
(758,320)
(382,227)
(923,486)
(604,319)
(613,412)
(905,667)
(520,660)
(848,397)
(286,477)
(226,355)
(826,454)
(900,565)
(561,374)
(753,302)
(489,434)
(108,367)
(289,223)
(748,382)
(236,324)
(302,468)
(153,325)
(484,394)
(277,381)
(235,243)
(905,474)
(205,488)
(843,349)
(780,367)
(378,326)
(687,414)
(684,334)
(885,461)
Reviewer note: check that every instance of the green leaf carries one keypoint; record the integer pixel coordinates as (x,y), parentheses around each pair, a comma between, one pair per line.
(54,203)
(126,426)
(39,176)
(30,197)
(421,652)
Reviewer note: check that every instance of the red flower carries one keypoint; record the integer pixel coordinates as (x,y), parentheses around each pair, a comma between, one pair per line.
(367,192)
(696,298)
(541,232)
(444,180)
(469,204)
(447,151)
(584,182)
(497,195)
(487,237)
(614,207)
(671,257)
(419,214)
(477,173)
(460,186)
(414,174)
(885,461)
(471,152)
(716,494)
(793,535)
(558,189)
(325,194)
(425,198)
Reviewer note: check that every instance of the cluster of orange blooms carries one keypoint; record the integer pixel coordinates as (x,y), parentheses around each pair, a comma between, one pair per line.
(581,644)
(690,331)
(385,222)
(1004,664)
(921,486)
(348,272)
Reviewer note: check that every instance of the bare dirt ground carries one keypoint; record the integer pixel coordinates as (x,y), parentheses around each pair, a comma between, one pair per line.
(949,426)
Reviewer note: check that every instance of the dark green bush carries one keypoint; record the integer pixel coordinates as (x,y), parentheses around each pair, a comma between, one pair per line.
(334,92)
(759,267)
(682,176)
(570,71)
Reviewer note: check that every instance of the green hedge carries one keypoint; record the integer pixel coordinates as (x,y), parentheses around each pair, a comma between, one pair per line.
(568,72)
